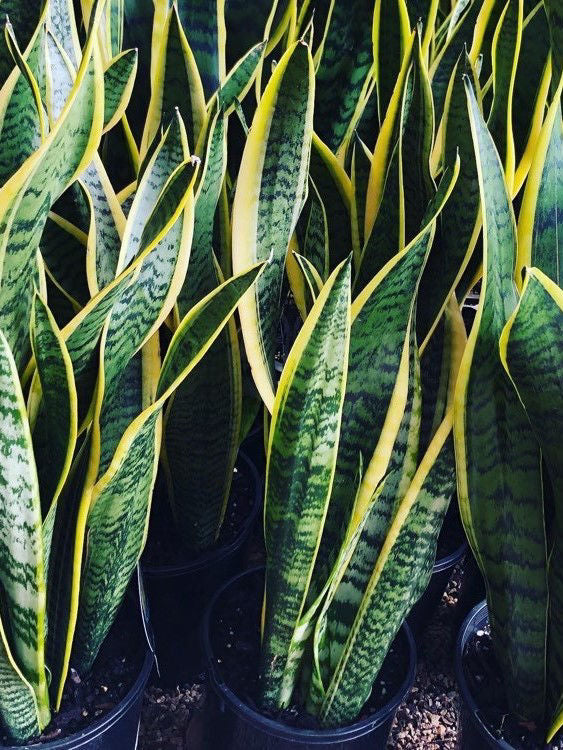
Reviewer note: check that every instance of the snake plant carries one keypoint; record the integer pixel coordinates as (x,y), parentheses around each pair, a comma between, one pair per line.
(511,371)
(82,388)
(382,191)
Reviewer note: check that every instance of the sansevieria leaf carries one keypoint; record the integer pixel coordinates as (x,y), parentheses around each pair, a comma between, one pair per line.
(270,186)
(530,350)
(378,380)
(400,569)
(540,223)
(299,475)
(22,565)
(202,423)
(56,424)
(498,462)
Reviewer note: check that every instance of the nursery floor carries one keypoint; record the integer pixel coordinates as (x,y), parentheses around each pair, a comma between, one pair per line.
(428,719)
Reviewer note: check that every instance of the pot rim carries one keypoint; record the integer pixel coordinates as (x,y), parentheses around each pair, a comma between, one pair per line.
(448,561)
(477,618)
(99,726)
(296,734)
(219,553)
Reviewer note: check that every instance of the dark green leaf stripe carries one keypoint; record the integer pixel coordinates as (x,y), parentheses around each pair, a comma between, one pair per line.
(204,23)
(202,424)
(302,454)
(21,548)
(530,348)
(346,60)
(506,50)
(270,186)
(498,462)
(540,224)
(316,241)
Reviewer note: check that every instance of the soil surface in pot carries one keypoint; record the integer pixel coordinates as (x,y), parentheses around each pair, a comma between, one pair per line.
(88,698)
(451,535)
(483,677)
(235,636)
(165,546)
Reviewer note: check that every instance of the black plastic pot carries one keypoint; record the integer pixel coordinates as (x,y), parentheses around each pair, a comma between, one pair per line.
(474,732)
(230,723)
(117,730)
(178,594)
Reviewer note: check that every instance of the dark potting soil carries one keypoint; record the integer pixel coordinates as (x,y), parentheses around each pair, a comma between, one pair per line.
(235,638)
(483,677)
(164,545)
(88,698)
(452,534)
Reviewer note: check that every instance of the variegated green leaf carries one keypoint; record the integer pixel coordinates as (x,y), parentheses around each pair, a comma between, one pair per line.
(18,706)
(119,78)
(335,191)
(239,80)
(391,31)
(25,20)
(20,133)
(415,143)
(505,54)
(202,423)
(204,23)
(299,475)
(267,203)
(21,547)
(540,223)
(530,350)
(555,19)
(343,68)
(28,195)
(498,462)
(55,429)
(145,304)
(360,169)
(176,84)
(531,84)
